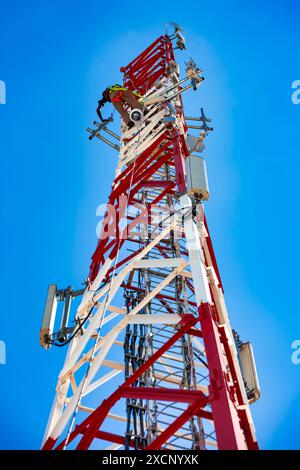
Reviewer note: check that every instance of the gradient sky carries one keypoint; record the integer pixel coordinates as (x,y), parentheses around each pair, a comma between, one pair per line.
(56,57)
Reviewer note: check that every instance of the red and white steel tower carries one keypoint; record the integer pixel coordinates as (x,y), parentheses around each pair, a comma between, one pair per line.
(152,362)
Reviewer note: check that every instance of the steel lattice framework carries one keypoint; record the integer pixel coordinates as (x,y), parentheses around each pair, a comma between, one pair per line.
(155,364)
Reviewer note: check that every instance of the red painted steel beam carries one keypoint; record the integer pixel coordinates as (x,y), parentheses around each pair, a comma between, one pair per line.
(227,424)
(111,437)
(164,394)
(156,184)
(195,332)
(143,71)
(204,414)
(179,159)
(143,55)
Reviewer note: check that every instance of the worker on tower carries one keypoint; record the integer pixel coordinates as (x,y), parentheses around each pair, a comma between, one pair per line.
(120,96)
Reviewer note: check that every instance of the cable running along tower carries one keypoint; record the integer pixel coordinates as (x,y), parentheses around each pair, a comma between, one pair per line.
(152,361)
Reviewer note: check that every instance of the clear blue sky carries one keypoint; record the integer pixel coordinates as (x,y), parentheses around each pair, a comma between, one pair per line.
(56,56)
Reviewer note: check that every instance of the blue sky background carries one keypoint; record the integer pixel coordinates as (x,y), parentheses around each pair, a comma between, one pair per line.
(56,57)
